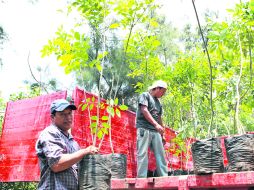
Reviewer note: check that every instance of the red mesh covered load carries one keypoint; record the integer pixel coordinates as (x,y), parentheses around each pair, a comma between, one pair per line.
(23,121)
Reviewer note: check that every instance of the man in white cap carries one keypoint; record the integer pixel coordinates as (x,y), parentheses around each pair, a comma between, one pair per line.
(58,152)
(150,130)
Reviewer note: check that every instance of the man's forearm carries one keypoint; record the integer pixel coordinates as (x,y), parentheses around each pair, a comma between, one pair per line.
(149,117)
(151,120)
(67,160)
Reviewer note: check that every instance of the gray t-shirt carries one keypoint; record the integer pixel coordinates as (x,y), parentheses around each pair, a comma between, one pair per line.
(154,107)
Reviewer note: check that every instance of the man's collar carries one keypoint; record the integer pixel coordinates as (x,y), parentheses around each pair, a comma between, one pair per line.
(68,135)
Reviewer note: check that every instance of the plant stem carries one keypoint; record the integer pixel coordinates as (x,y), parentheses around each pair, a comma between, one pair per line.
(210,67)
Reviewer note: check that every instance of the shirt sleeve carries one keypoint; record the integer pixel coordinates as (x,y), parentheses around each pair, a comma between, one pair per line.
(51,147)
(143,100)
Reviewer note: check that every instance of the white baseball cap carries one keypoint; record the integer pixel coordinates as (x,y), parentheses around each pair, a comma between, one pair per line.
(158,83)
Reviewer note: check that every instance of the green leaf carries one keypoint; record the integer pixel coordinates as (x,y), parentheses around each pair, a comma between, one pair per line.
(110,111)
(93,126)
(99,67)
(100,134)
(116,101)
(105,131)
(92,63)
(104,118)
(106,125)
(251,5)
(154,23)
(111,102)
(94,118)
(114,25)
(77,35)
(102,55)
(118,113)
(84,107)
(91,106)
(123,107)
(178,152)
(93,130)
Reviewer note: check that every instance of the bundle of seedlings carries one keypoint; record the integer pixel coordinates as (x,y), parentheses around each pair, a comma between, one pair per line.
(240,153)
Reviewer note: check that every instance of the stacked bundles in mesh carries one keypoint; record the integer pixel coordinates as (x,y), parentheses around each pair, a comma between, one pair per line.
(95,171)
(207,156)
(240,153)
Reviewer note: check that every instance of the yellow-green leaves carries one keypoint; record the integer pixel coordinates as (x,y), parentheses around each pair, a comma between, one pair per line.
(94,117)
(251,5)
(114,25)
(111,111)
(104,118)
(123,107)
(101,123)
(84,106)
(71,50)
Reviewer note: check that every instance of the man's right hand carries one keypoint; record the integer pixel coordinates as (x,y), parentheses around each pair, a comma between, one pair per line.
(67,160)
(160,129)
(92,149)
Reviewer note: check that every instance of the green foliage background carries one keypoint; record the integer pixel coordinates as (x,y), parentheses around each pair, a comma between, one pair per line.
(147,50)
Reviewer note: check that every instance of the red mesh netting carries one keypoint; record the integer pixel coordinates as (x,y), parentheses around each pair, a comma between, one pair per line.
(24,119)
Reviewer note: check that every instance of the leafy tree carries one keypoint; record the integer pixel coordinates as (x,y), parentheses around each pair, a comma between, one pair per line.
(232,44)
(187,103)
(42,83)
(82,53)
(169,43)
(31,91)
(127,46)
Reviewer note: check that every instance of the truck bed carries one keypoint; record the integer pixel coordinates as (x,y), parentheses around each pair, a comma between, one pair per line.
(217,181)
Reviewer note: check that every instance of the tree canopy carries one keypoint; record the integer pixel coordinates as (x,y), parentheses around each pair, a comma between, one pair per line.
(129,45)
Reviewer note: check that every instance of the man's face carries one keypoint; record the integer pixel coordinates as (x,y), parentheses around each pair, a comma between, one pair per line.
(63,119)
(160,92)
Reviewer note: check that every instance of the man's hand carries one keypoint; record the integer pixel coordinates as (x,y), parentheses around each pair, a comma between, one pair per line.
(160,129)
(163,139)
(67,160)
(92,150)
